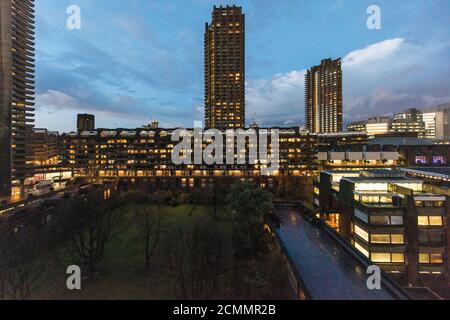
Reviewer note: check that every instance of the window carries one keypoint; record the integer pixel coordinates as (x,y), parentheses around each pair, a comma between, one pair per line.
(361,249)
(380,238)
(381,257)
(387,238)
(398,258)
(379,220)
(362,233)
(434,258)
(435,221)
(423,221)
(432,221)
(386,220)
(388,257)
(397,239)
(437,239)
(361,215)
(421,160)
(396,220)
(420,203)
(439,160)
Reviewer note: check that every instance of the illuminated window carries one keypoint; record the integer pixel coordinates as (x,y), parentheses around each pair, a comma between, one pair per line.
(398,258)
(429,221)
(380,238)
(397,239)
(421,160)
(381,257)
(433,258)
(439,160)
(387,238)
(388,257)
(362,233)
(361,249)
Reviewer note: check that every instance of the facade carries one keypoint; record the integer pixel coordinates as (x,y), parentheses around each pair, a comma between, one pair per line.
(409,121)
(403,152)
(225,69)
(85,122)
(437,123)
(44,158)
(357,126)
(43,147)
(378,126)
(397,222)
(16,90)
(323,97)
(146,152)
(433,124)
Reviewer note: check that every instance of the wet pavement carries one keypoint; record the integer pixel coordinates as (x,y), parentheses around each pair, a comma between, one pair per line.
(326,269)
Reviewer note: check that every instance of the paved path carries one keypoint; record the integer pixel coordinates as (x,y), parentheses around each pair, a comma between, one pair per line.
(326,269)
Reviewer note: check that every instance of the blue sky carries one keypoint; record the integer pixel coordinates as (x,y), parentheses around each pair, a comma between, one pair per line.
(134,60)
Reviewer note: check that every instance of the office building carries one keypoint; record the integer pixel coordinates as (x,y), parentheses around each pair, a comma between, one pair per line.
(409,121)
(437,123)
(323,97)
(397,222)
(16,90)
(85,122)
(378,126)
(225,69)
(357,126)
(433,124)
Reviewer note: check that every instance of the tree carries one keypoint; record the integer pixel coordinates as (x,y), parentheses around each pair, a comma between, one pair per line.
(22,263)
(148,219)
(86,224)
(198,256)
(249,203)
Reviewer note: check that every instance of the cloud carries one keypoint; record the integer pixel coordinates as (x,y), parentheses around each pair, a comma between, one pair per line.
(52,101)
(373,53)
(277,101)
(379,79)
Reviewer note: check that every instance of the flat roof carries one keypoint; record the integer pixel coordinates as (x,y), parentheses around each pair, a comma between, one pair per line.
(328,271)
(401,141)
(394,179)
(433,171)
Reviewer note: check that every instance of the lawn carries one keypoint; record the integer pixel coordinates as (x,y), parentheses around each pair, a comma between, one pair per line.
(122,274)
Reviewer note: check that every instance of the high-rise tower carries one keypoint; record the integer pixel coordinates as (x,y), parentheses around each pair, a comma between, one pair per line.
(225,69)
(323,95)
(16,89)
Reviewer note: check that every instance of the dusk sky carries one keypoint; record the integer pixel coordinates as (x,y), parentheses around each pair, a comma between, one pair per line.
(134,60)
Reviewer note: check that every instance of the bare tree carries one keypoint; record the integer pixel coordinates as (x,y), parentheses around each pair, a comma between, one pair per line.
(148,219)
(88,223)
(198,256)
(22,263)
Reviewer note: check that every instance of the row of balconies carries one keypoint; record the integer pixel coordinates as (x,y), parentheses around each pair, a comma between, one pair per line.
(357,156)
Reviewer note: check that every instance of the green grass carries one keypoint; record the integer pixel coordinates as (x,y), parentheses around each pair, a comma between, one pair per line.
(122,273)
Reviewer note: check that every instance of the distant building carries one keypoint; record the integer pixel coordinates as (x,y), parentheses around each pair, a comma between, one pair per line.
(323,97)
(437,122)
(377,126)
(409,121)
(85,122)
(358,126)
(17,90)
(433,124)
(225,69)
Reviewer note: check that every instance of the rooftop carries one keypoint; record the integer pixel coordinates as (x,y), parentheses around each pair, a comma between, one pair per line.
(400,141)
